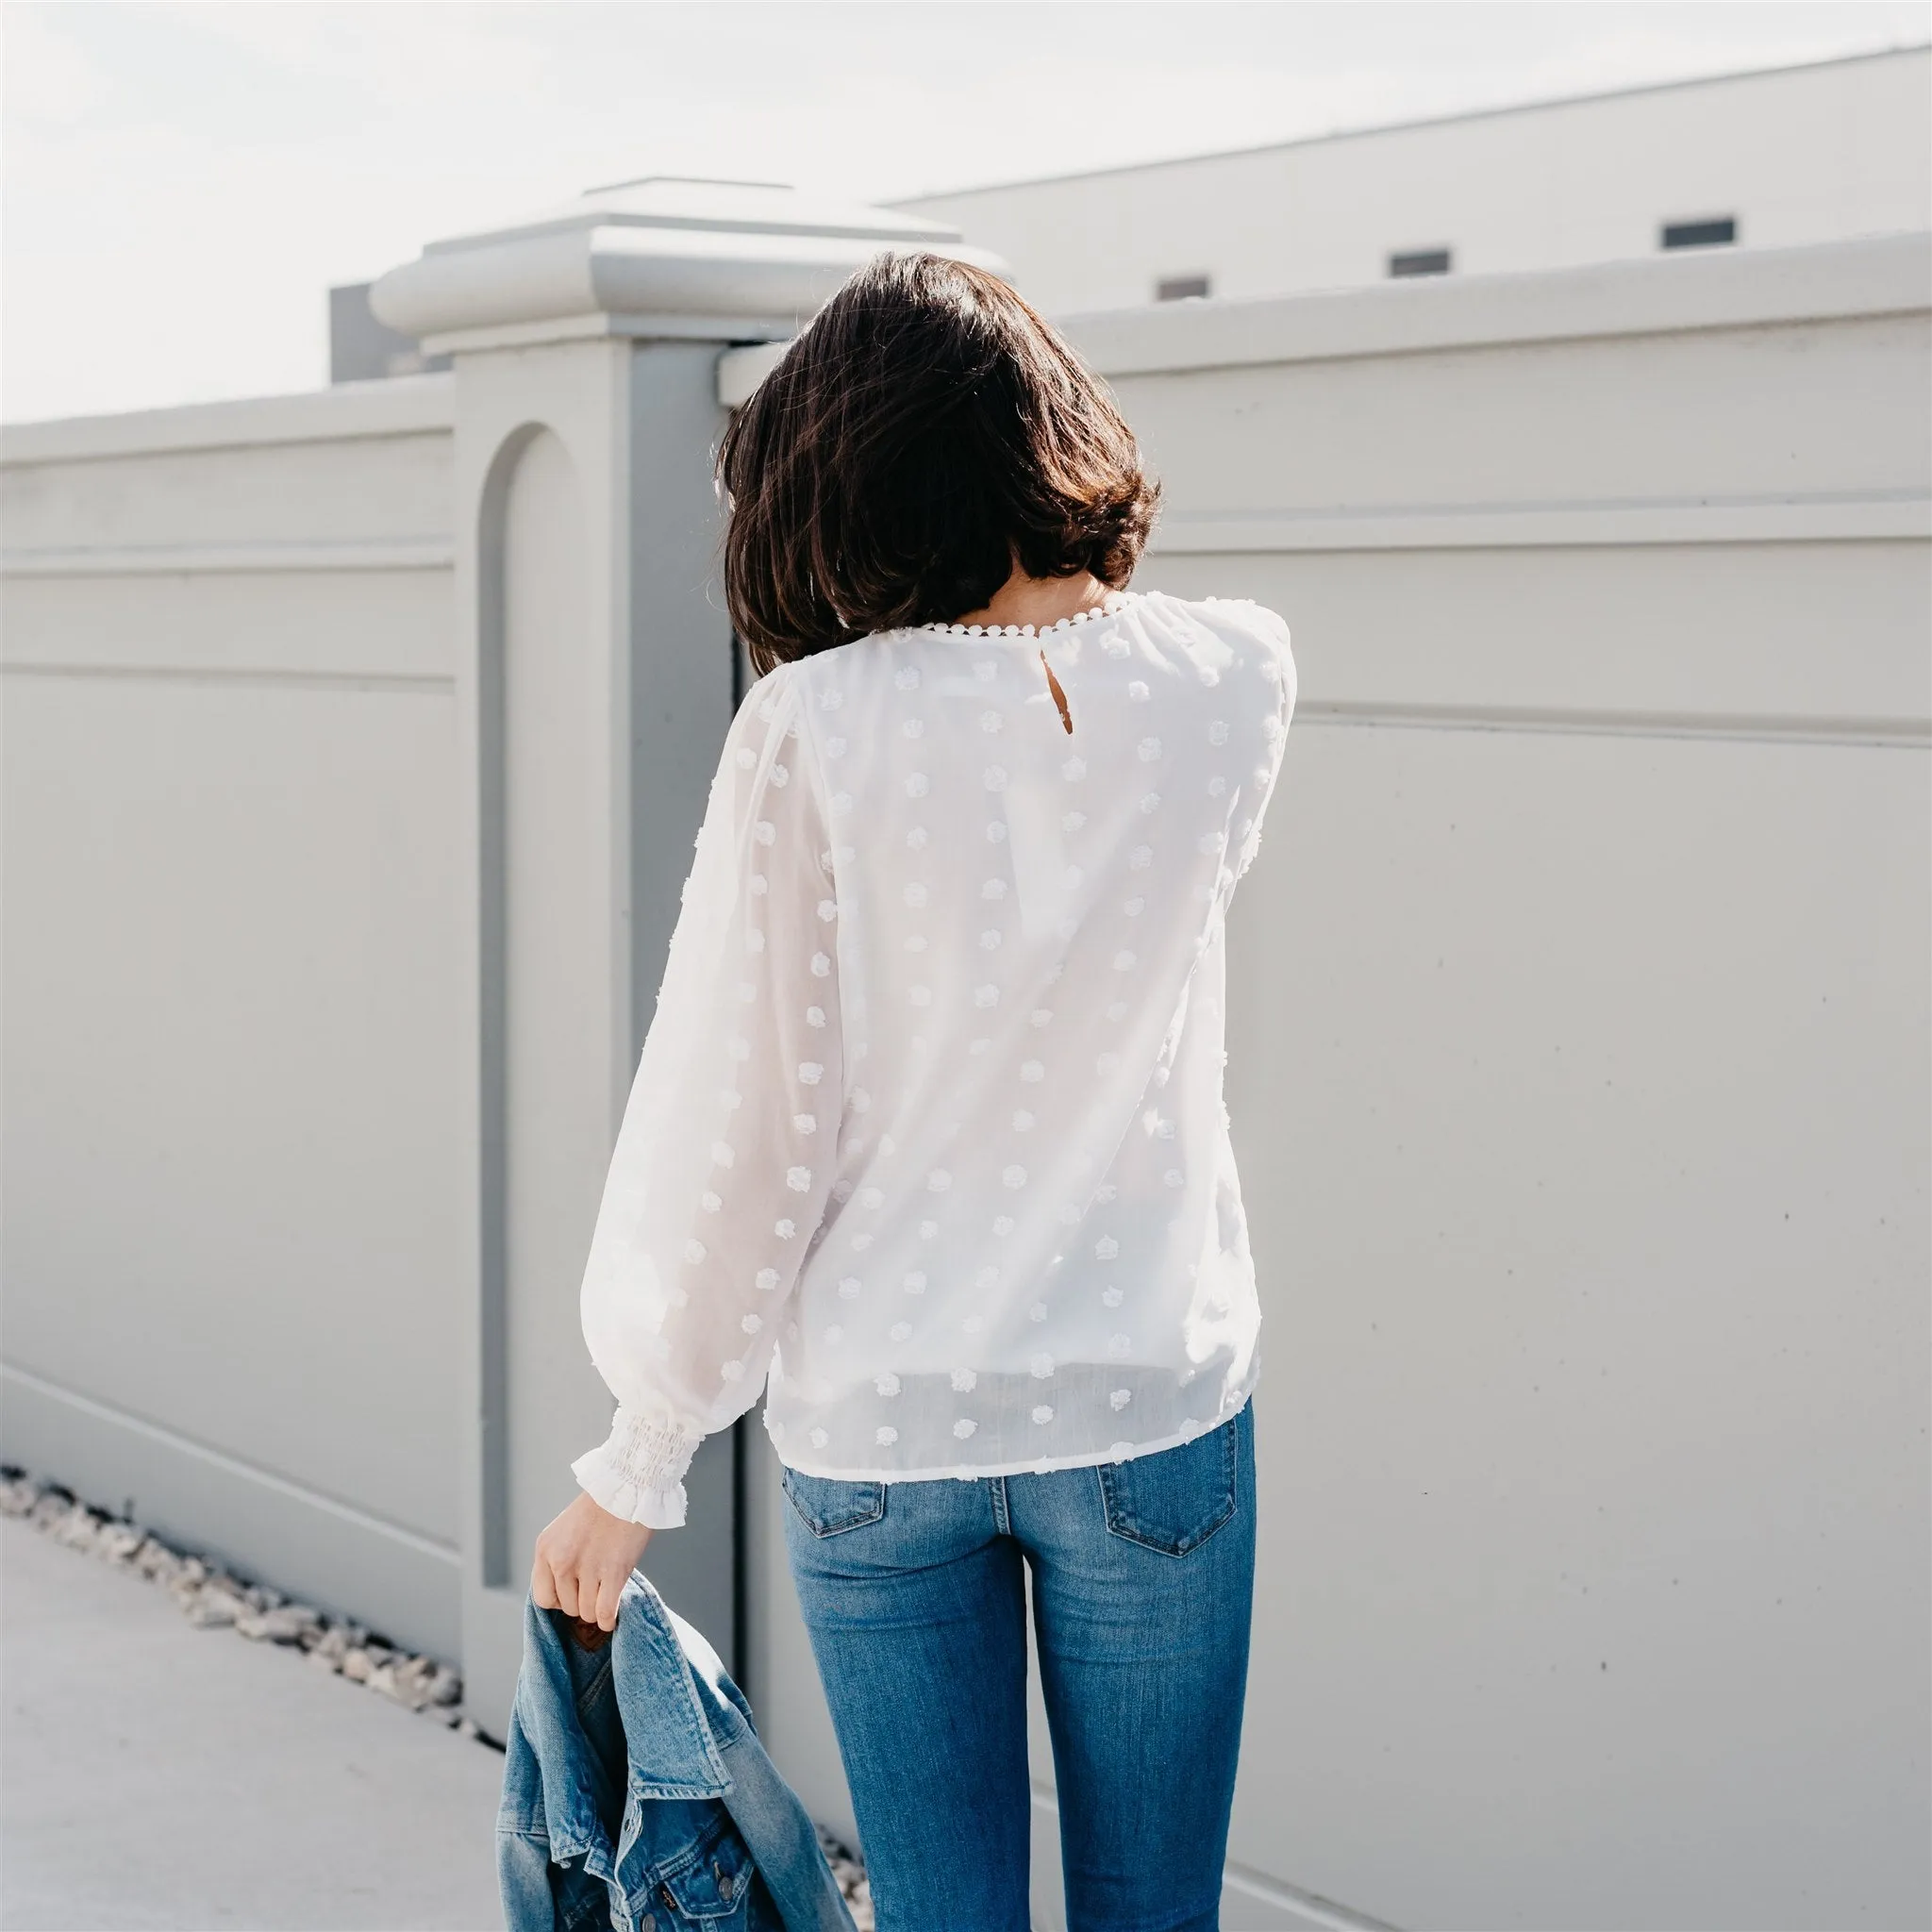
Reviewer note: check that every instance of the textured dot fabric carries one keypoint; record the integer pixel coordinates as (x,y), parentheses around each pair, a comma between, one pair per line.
(927,1139)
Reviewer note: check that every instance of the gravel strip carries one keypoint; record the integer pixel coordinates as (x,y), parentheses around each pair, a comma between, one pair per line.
(213,1598)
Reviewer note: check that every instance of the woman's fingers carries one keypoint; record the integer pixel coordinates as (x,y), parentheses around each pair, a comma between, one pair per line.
(542,1586)
(554,1578)
(609,1590)
(583,1559)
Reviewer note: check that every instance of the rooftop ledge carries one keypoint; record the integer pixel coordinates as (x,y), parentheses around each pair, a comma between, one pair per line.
(1738,288)
(719,261)
(1886,274)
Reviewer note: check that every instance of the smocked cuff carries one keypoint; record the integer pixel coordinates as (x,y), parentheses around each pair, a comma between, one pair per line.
(638,1473)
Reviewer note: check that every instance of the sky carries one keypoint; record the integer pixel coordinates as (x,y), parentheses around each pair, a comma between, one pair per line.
(182,184)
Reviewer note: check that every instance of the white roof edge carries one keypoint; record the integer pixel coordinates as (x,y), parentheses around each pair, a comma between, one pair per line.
(1730,288)
(916,203)
(395,406)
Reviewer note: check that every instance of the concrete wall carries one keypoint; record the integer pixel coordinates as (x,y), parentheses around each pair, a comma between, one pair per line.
(1581,1082)
(1800,155)
(354,747)
(228,1057)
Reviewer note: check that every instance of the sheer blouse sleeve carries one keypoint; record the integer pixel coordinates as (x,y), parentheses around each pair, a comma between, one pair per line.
(1278,669)
(725,1158)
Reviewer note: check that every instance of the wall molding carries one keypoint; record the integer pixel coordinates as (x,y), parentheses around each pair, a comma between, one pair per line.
(1298,1908)
(179,1444)
(1904,734)
(332,1553)
(231,559)
(1875,517)
(347,412)
(437,684)
(1286,1907)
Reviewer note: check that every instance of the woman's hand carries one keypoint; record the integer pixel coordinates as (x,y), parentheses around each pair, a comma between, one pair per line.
(584,1557)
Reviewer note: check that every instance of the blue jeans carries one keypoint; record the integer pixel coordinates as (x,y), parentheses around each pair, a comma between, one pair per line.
(1142,1586)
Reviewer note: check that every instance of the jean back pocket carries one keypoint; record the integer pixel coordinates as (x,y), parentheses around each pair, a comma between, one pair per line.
(829,1507)
(1174,1500)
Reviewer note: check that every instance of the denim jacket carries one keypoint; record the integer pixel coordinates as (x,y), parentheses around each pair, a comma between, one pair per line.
(636,1794)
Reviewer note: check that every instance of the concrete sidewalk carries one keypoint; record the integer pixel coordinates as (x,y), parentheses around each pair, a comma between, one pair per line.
(157,1776)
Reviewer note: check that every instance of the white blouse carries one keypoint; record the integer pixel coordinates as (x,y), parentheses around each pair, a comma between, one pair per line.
(927,1138)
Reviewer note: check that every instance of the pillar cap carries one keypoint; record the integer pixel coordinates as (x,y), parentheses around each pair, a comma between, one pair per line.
(719,261)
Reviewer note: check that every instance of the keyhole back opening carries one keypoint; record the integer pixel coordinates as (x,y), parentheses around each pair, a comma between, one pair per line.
(1059,697)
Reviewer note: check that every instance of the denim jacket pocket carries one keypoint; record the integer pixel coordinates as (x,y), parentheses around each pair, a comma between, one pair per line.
(711,1887)
(1174,1500)
(831,1506)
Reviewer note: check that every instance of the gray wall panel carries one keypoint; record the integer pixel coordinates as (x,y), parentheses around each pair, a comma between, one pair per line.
(228,1057)
(1580,1096)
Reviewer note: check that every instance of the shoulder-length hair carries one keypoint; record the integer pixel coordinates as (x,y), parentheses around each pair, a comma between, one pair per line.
(925,434)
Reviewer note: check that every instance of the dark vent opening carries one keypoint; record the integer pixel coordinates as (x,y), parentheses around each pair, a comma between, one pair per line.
(1419,262)
(1719,231)
(1182,288)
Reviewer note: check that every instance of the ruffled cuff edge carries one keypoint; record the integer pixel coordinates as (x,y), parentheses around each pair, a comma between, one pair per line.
(638,1471)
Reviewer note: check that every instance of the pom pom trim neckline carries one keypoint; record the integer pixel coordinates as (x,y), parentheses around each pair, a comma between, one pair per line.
(1116,601)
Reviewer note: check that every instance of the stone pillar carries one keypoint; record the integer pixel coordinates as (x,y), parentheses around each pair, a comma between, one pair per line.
(597,677)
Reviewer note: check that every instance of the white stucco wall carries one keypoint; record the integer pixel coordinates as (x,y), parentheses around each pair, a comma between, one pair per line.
(1800,155)
(228,1059)
(1579,1010)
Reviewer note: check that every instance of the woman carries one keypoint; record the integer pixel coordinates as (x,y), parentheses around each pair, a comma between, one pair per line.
(927,1139)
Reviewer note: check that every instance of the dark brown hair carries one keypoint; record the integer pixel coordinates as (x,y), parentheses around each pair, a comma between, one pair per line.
(925,433)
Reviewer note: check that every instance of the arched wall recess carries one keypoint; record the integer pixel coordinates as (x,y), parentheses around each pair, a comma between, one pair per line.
(542,693)
(494,1419)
